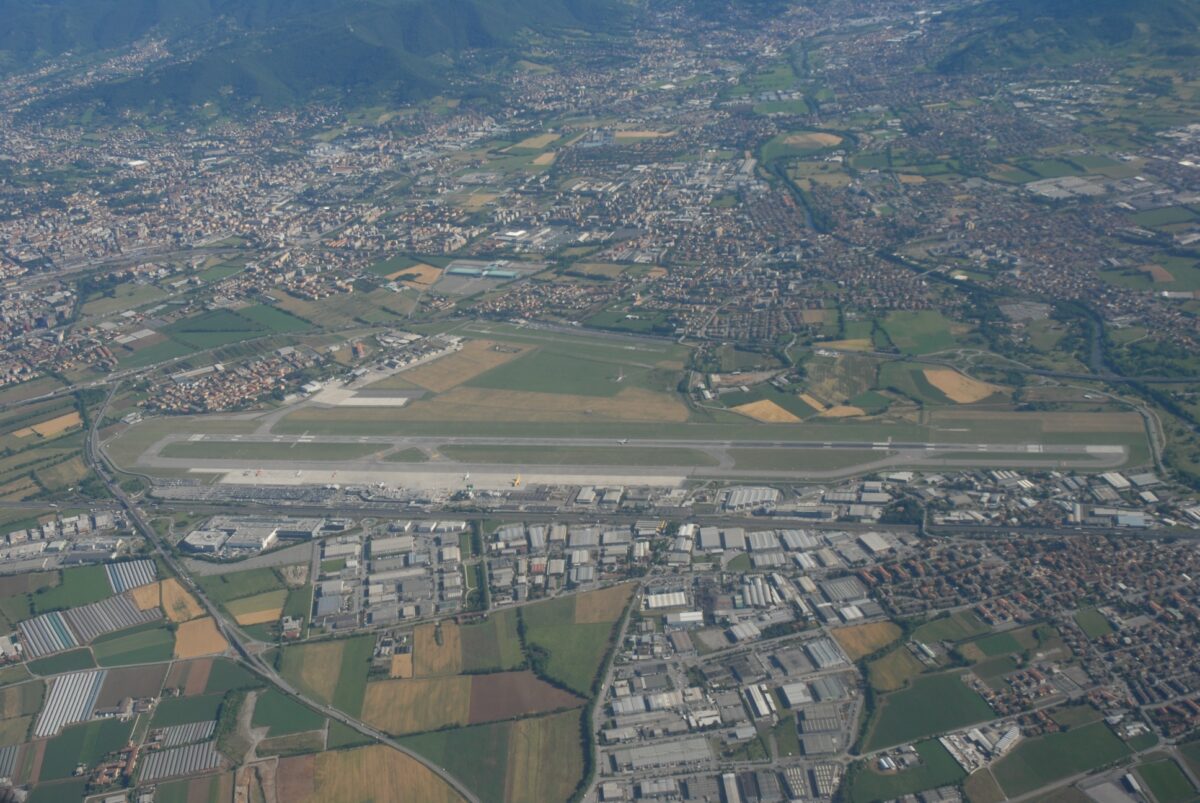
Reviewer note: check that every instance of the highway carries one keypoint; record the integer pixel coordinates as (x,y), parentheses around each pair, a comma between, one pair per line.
(247,656)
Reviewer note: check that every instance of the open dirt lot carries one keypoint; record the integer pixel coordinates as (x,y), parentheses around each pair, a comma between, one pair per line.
(546,158)
(861,640)
(367,773)
(199,637)
(766,411)
(959,387)
(476,357)
(605,605)
(504,695)
(419,704)
(437,650)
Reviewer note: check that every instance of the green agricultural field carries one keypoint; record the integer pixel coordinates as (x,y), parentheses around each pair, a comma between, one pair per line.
(910,381)
(1045,759)
(567,652)
(937,768)
(477,756)
(182,710)
(226,676)
(955,627)
(70,661)
(124,296)
(83,744)
(930,705)
(546,371)
(921,332)
(894,670)
(283,715)
(150,355)
(341,736)
(247,450)
(1191,754)
(632,456)
(274,319)
(73,789)
(492,645)
(1093,623)
(137,646)
(80,586)
(235,585)
(392,264)
(1166,781)
(997,644)
(539,758)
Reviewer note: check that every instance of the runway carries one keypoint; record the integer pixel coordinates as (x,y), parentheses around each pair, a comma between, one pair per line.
(814,460)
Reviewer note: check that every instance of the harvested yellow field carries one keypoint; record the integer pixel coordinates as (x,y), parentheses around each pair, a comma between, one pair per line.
(488,404)
(367,773)
(641,134)
(910,178)
(813,402)
(856,344)
(419,704)
(843,411)
(199,637)
(814,315)
(419,275)
(546,158)
(536,143)
(147,596)
(538,767)
(766,411)
(437,650)
(958,387)
(258,609)
(861,640)
(603,605)
(320,666)
(58,425)
(402,665)
(1157,273)
(812,139)
(177,603)
(473,359)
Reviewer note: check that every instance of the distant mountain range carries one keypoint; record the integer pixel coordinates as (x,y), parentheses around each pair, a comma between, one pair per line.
(1035,32)
(279,51)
